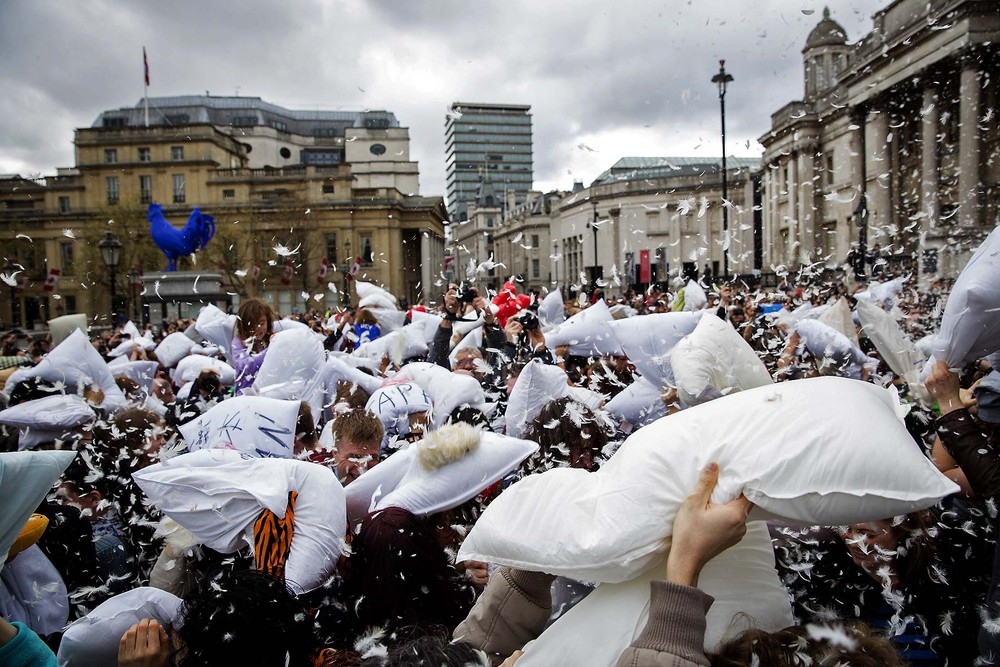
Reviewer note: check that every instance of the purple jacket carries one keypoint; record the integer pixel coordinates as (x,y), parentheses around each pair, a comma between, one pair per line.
(247,365)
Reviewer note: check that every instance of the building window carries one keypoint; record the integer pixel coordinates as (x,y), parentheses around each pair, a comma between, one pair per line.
(111,155)
(489,221)
(112,183)
(280,126)
(229,194)
(331,250)
(145,189)
(176,152)
(64,204)
(536,268)
(829,170)
(327,189)
(144,155)
(66,258)
(244,121)
(179,194)
(534,241)
(367,253)
(377,149)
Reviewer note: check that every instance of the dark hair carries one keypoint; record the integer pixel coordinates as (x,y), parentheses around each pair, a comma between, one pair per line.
(561,425)
(400,576)
(793,647)
(245,618)
(252,311)
(436,649)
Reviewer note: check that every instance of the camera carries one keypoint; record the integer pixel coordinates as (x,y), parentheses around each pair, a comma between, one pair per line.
(466,294)
(529,321)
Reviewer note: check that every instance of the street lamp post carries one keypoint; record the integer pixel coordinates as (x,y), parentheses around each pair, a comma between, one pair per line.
(111,253)
(9,268)
(134,280)
(722,80)
(348,261)
(593,228)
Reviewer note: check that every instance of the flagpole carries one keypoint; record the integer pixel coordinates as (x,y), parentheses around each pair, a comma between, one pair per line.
(145,88)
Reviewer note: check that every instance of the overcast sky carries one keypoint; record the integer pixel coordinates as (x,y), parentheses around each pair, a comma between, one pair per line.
(604,80)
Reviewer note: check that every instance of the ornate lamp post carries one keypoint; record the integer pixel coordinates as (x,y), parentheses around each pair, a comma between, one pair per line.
(722,79)
(346,273)
(9,268)
(111,253)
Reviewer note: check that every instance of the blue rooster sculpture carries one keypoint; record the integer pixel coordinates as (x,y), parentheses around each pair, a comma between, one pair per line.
(176,243)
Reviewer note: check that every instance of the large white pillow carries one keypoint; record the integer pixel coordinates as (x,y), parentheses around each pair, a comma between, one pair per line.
(389,319)
(892,344)
(536,385)
(190,367)
(639,403)
(173,348)
(25,479)
(47,419)
(217,328)
(811,466)
(552,311)
(447,390)
(254,425)
(92,641)
(694,296)
(125,347)
(61,327)
(293,368)
(399,345)
(143,372)
(587,333)
(742,579)
(76,364)
(648,340)
(371,295)
(427,322)
(216,495)
(336,369)
(714,360)
(839,317)
(33,592)
(473,339)
(407,480)
(827,344)
(970,326)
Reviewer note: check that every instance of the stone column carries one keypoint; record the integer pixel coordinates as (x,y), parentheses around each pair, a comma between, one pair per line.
(929,179)
(791,253)
(969,146)
(880,164)
(805,214)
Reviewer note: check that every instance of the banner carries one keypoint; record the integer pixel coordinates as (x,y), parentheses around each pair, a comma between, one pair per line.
(52,280)
(644,272)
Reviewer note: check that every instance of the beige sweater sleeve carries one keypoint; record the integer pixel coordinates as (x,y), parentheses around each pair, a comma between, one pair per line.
(674,635)
(511,612)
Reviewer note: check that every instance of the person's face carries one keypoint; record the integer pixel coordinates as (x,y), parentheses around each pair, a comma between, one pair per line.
(354,458)
(156,437)
(89,504)
(259,329)
(418,426)
(872,546)
(465,360)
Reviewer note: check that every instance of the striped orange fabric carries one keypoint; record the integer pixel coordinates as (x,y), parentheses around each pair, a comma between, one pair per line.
(272,539)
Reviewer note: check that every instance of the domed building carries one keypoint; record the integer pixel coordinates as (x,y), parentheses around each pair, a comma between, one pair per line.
(890,156)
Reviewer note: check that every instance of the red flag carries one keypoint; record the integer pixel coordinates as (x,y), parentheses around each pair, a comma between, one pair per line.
(52,280)
(145,65)
(321,274)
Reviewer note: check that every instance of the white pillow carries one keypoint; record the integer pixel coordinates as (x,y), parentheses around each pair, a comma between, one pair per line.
(76,364)
(537,385)
(473,339)
(172,349)
(46,419)
(293,368)
(551,311)
(742,579)
(217,327)
(839,317)
(372,295)
(427,322)
(714,360)
(884,294)
(639,403)
(426,490)
(127,345)
(92,641)
(826,343)
(970,326)
(190,367)
(393,404)
(336,369)
(25,479)
(447,390)
(694,296)
(791,460)
(254,425)
(648,340)
(216,495)
(400,345)
(61,327)
(143,372)
(587,333)
(389,319)
(892,344)
(32,591)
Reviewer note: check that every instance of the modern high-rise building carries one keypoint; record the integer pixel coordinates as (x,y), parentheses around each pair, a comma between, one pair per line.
(487,143)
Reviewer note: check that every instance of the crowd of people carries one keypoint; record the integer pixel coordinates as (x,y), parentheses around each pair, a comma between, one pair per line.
(248,488)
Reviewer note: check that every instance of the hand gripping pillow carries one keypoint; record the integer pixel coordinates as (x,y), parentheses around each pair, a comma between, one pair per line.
(648,340)
(827,344)
(809,466)
(217,328)
(714,360)
(216,495)
(76,364)
(587,333)
(47,419)
(254,425)
(551,311)
(448,467)
(190,367)
(25,479)
(970,327)
(92,641)
(447,390)
(172,349)
(742,579)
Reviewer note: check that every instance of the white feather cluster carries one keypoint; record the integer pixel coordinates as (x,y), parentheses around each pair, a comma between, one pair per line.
(448,444)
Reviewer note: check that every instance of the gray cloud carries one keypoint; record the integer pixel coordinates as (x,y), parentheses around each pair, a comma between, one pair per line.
(632,78)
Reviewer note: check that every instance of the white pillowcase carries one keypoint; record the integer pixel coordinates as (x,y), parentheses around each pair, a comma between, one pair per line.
(370,295)
(47,419)
(172,349)
(694,296)
(552,311)
(92,641)
(714,360)
(792,460)
(293,368)
(400,345)
(839,317)
(648,340)
(336,369)
(389,319)
(639,403)
(190,367)
(447,390)
(217,327)
(61,327)
(892,344)
(742,579)
(826,343)
(254,425)
(587,333)
(143,372)
(216,495)
(970,326)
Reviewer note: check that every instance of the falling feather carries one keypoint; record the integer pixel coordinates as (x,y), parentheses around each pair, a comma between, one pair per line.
(68,233)
(283,251)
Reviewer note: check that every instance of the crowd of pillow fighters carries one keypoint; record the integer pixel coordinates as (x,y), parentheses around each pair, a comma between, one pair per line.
(714,476)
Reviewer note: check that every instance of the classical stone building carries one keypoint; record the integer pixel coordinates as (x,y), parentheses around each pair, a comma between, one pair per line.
(522,242)
(296,197)
(894,147)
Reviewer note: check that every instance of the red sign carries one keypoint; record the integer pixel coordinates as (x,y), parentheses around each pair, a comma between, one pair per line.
(644,273)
